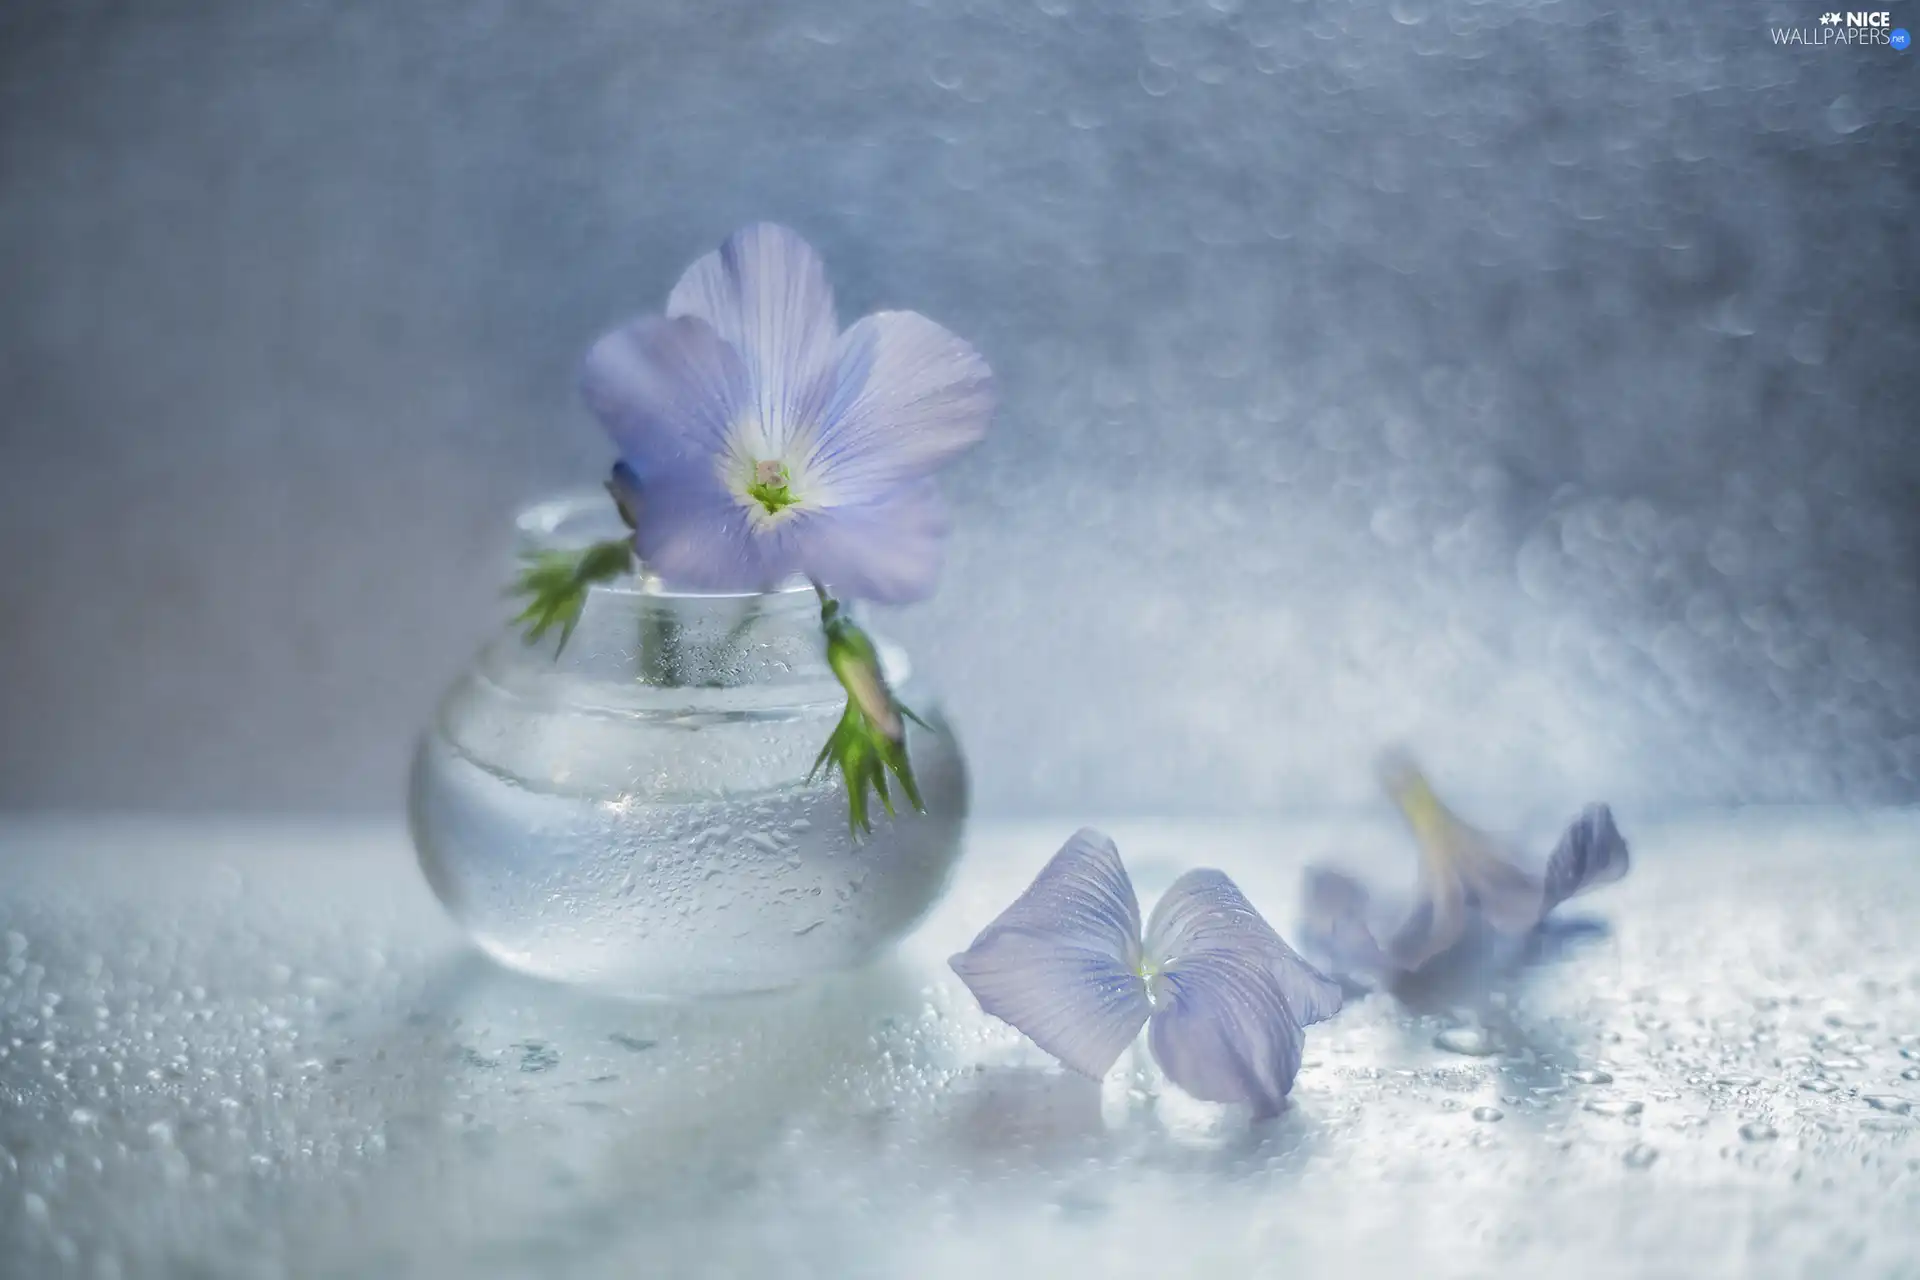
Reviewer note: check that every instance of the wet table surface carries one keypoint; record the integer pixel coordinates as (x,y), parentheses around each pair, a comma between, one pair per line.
(257,1050)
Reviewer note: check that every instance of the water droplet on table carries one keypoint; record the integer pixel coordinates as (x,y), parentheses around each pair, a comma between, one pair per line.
(1473,1042)
(537,1056)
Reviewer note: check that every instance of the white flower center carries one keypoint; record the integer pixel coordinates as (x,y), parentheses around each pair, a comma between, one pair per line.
(768,472)
(1149,970)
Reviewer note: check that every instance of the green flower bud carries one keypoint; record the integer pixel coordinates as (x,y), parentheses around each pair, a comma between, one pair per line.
(870,740)
(555,584)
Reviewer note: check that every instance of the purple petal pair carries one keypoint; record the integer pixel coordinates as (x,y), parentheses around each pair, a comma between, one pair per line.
(1470,885)
(1225,1000)
(762,442)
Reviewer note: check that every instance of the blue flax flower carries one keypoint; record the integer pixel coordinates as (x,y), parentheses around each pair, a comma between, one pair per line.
(1223,997)
(1470,886)
(768,443)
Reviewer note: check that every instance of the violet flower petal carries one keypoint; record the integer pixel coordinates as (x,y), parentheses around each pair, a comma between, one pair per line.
(1223,1034)
(1230,996)
(1466,877)
(887,550)
(765,292)
(1336,922)
(1506,894)
(693,533)
(1591,853)
(902,398)
(1436,922)
(1062,963)
(666,390)
(1204,913)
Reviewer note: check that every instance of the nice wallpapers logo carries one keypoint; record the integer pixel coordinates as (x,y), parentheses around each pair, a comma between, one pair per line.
(1847,31)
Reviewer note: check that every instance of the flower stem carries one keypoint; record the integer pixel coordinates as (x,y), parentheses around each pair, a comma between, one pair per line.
(748,616)
(660,646)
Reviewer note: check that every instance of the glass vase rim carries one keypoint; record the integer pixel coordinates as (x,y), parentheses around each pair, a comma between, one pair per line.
(572,520)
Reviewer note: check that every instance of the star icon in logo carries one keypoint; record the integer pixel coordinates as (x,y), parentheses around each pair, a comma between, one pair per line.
(1829,19)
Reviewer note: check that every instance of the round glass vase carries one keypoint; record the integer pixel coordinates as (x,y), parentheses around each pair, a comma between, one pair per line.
(633,811)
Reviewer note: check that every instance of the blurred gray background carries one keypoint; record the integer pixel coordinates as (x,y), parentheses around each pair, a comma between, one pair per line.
(1531,382)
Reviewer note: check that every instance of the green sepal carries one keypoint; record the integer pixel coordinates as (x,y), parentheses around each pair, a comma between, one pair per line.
(864,756)
(555,584)
(870,739)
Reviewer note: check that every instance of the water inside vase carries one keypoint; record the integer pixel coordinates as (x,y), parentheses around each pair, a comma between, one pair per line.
(673,895)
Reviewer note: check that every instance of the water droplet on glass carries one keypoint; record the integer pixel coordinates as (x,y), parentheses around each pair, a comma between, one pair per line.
(1590,1077)
(1758,1131)
(1737,1081)
(1844,115)
(1640,1155)
(824,30)
(1818,1086)
(1615,1108)
(174,1166)
(1887,1102)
